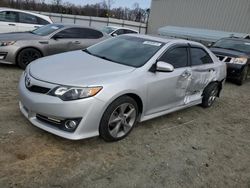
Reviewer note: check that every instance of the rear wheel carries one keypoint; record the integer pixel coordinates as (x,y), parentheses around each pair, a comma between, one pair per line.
(243,76)
(210,94)
(119,119)
(26,56)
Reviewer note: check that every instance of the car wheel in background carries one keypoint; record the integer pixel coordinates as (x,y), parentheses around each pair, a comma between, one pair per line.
(26,56)
(243,76)
(119,119)
(210,94)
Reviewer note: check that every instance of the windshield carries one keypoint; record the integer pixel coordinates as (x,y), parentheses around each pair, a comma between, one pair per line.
(231,44)
(108,30)
(47,29)
(126,50)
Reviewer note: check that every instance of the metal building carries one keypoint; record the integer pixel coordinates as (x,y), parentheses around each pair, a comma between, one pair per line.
(224,15)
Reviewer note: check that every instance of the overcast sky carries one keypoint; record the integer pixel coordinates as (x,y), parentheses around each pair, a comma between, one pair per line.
(117,3)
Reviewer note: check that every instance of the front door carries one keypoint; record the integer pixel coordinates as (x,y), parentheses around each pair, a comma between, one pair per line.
(167,90)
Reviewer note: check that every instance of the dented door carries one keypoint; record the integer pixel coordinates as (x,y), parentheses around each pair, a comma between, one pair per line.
(202,73)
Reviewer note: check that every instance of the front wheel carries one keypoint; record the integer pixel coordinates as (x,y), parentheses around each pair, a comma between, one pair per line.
(119,119)
(210,94)
(26,56)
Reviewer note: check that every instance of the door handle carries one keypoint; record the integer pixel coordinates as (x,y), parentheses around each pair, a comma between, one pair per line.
(211,70)
(12,24)
(36,27)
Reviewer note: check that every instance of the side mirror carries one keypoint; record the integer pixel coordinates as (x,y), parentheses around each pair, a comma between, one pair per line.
(164,67)
(114,34)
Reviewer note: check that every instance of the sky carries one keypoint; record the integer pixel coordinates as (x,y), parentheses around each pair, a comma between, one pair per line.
(117,3)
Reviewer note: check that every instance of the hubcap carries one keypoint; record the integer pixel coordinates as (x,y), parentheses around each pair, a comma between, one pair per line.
(29,56)
(213,96)
(122,120)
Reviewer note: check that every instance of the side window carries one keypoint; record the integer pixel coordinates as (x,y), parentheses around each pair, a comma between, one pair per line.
(8,16)
(120,32)
(27,18)
(90,33)
(80,33)
(42,21)
(69,33)
(200,57)
(178,57)
(129,31)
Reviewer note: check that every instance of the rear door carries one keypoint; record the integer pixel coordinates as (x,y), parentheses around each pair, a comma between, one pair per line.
(8,21)
(167,90)
(27,22)
(203,72)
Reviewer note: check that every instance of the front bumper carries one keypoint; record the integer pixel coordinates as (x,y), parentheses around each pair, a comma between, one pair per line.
(90,111)
(8,54)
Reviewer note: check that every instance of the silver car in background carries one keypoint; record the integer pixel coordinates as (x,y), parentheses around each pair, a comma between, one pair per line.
(105,89)
(24,47)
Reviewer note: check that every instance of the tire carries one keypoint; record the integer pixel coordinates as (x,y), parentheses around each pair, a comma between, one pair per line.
(243,76)
(119,119)
(209,95)
(26,56)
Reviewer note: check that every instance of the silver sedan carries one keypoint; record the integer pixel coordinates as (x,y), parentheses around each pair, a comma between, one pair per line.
(105,89)
(24,47)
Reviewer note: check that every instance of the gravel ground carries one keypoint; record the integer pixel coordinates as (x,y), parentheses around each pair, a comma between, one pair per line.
(195,147)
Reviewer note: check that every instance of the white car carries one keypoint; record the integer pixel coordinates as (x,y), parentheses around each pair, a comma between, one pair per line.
(13,20)
(115,31)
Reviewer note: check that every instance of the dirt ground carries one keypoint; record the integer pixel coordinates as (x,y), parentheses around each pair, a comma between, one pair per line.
(195,147)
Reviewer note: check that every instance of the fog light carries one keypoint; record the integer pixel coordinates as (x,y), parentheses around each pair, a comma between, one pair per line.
(70,124)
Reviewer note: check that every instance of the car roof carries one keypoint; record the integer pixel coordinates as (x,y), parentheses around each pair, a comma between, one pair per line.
(75,25)
(24,11)
(161,39)
(237,39)
(117,27)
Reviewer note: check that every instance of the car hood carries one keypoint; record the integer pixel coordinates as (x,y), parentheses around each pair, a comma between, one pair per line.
(18,36)
(225,52)
(77,68)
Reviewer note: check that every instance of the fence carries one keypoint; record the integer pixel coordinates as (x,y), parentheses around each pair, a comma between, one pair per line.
(97,22)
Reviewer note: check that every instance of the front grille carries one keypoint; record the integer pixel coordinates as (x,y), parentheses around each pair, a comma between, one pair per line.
(38,89)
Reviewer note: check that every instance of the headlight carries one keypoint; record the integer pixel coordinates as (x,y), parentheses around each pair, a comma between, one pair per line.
(7,43)
(240,60)
(74,93)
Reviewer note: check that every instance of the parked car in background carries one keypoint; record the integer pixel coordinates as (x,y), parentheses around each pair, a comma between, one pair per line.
(22,48)
(115,31)
(13,20)
(236,53)
(106,88)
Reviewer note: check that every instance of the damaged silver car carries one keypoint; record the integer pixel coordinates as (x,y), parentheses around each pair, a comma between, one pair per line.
(107,88)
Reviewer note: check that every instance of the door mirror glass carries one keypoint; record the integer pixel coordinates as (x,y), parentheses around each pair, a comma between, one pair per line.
(164,67)
(114,34)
